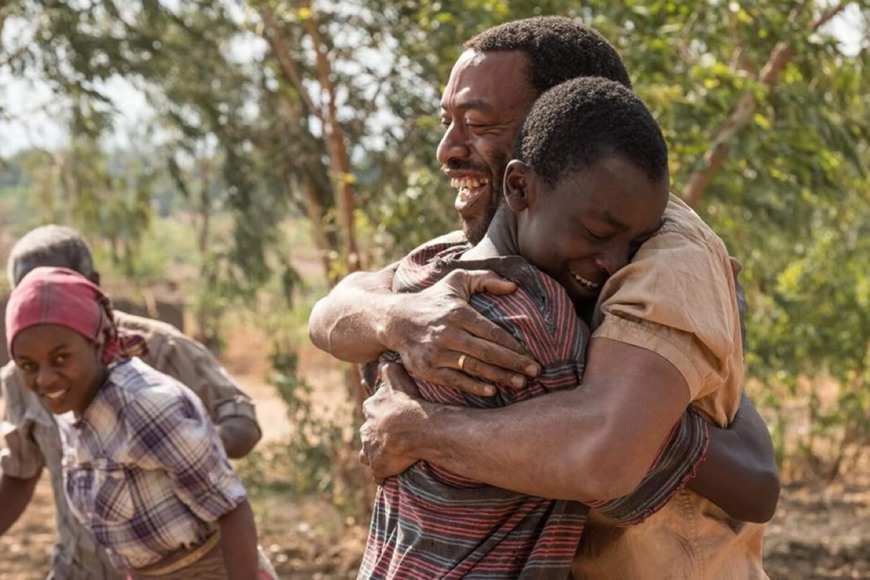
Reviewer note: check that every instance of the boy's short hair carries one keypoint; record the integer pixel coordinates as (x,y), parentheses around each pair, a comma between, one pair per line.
(573,125)
(558,48)
(50,245)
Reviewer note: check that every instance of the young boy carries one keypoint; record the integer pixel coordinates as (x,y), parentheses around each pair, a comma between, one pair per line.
(143,467)
(588,185)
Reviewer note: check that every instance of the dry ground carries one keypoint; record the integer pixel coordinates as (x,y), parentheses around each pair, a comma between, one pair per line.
(817,533)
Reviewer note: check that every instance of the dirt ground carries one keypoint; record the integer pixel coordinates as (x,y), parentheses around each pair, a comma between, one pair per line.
(817,533)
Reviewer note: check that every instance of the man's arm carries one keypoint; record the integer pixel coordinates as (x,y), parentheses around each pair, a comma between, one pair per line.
(361,318)
(586,444)
(397,421)
(739,474)
(238,434)
(349,322)
(15,494)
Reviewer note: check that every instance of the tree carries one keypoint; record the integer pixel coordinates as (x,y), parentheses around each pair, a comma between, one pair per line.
(329,110)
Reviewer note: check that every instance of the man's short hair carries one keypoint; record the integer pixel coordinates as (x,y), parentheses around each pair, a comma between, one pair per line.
(558,48)
(573,125)
(50,245)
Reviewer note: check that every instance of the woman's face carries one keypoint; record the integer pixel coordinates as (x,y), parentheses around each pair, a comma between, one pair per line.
(60,365)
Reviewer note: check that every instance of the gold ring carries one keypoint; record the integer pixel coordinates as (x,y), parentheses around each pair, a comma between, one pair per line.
(461,362)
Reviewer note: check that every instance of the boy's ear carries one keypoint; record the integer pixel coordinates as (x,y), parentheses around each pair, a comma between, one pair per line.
(517,186)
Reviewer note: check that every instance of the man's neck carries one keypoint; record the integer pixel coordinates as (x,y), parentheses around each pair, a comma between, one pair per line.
(500,239)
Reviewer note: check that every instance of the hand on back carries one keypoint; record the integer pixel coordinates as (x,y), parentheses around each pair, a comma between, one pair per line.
(434,328)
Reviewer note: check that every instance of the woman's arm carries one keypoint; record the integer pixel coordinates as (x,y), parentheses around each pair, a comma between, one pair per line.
(239,542)
(15,494)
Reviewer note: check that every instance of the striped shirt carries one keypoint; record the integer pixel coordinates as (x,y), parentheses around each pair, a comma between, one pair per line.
(143,467)
(430,523)
(32,440)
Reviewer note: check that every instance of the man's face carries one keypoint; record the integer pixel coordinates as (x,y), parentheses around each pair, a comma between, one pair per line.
(588,226)
(482,109)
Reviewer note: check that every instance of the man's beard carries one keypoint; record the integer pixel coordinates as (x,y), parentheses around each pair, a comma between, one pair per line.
(475,229)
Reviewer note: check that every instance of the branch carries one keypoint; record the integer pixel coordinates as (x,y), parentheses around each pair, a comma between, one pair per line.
(716,154)
(275,37)
(336,146)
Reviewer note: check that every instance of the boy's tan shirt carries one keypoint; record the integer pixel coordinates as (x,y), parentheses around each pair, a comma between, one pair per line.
(677,298)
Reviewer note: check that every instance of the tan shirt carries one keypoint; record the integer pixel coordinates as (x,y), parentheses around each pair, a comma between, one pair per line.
(677,298)
(32,439)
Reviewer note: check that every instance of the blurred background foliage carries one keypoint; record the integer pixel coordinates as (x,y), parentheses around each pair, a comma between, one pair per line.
(280,125)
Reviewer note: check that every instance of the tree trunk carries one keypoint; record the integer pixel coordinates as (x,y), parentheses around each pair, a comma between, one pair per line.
(340,175)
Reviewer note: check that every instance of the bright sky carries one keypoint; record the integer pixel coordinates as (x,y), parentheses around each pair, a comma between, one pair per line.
(33,118)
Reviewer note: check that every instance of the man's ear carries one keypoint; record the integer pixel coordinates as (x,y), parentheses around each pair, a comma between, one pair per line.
(518,188)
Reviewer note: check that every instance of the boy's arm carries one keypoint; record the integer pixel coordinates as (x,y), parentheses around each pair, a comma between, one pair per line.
(399,429)
(740,474)
(361,318)
(15,494)
(239,542)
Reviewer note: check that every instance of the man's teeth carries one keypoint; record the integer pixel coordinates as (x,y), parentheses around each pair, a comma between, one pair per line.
(54,395)
(461,183)
(584,281)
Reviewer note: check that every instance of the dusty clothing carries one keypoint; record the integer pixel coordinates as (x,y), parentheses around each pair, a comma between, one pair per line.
(32,438)
(677,298)
(430,523)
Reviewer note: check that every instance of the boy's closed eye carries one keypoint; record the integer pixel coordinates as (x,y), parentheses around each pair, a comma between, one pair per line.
(597,236)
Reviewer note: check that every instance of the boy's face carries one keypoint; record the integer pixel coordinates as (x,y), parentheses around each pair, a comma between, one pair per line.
(482,108)
(590,224)
(60,365)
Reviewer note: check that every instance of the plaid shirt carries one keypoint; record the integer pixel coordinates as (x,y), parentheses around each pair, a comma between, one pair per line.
(430,523)
(144,469)
(32,440)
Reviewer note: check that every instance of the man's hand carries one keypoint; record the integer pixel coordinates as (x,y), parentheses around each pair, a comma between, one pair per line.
(392,417)
(443,340)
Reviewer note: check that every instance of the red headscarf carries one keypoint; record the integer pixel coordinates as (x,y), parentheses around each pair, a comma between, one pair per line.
(64,297)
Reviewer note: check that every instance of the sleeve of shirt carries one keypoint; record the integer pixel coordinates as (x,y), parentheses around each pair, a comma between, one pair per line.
(168,430)
(22,456)
(676,298)
(672,469)
(196,367)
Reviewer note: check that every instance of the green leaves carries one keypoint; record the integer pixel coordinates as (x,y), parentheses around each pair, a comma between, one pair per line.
(328,111)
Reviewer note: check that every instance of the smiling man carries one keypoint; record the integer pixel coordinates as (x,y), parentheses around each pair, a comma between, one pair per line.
(666,335)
